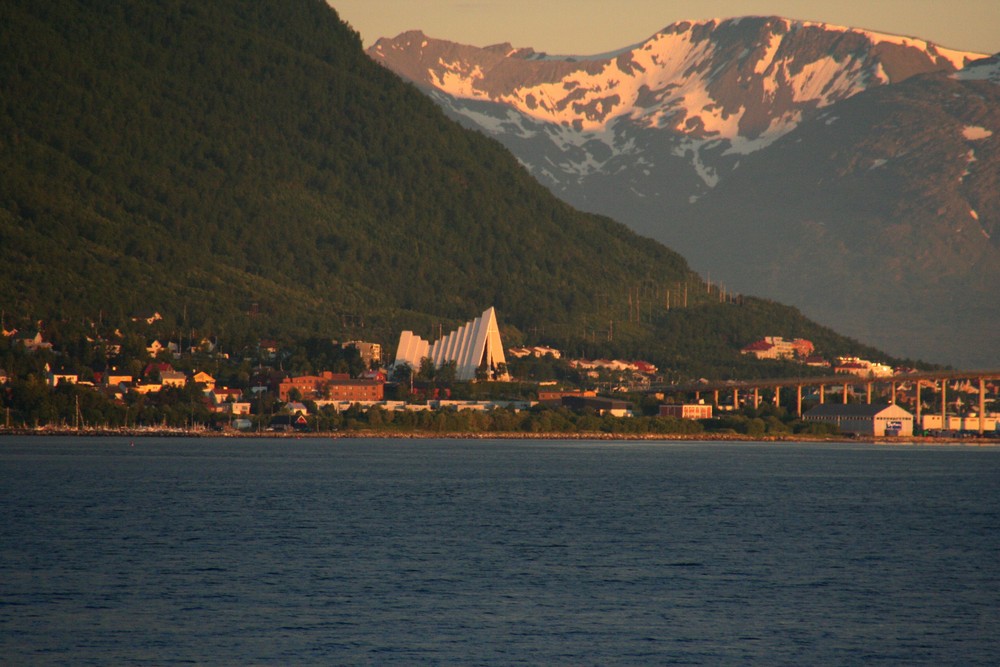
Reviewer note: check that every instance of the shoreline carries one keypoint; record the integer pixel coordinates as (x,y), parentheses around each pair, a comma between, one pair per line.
(969,441)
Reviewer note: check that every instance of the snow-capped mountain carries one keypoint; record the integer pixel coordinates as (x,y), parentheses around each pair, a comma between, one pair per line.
(688,102)
(853,174)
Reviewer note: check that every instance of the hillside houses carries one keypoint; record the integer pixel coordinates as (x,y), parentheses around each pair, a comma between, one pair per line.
(56,378)
(149,386)
(538,351)
(36,343)
(776,347)
(861,367)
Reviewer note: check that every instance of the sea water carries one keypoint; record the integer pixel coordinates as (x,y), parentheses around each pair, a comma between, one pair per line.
(316,551)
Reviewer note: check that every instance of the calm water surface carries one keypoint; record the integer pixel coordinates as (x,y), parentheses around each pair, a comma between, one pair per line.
(496,552)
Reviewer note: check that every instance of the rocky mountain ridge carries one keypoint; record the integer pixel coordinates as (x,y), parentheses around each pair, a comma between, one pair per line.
(740,82)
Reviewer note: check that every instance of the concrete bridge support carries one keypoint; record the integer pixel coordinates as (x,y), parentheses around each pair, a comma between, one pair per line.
(919,424)
(982,406)
(944,405)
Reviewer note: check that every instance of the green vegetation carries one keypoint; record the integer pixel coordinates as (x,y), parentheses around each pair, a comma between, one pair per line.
(245,170)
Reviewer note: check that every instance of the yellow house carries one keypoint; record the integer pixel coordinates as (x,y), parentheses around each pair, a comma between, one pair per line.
(201,377)
(173,378)
(113,378)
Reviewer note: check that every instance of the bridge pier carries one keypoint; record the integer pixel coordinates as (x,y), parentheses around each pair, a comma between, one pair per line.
(944,405)
(845,393)
(798,400)
(919,424)
(982,406)
(868,389)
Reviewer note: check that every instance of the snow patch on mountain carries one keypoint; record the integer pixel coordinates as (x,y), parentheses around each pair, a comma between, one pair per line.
(765,61)
(457,79)
(692,148)
(986,69)
(827,79)
(975,133)
(778,128)
(510,123)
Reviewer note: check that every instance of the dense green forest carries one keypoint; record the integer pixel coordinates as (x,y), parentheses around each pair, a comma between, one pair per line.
(244,169)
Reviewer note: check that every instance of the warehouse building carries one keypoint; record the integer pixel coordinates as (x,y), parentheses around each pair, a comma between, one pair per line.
(864,419)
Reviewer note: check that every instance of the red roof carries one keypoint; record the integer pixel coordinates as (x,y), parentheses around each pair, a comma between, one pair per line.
(158,366)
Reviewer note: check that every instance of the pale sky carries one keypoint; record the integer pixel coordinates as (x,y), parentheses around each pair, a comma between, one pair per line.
(588,27)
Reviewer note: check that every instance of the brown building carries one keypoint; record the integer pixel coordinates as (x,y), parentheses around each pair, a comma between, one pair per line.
(332,386)
(356,390)
(309,386)
(555,396)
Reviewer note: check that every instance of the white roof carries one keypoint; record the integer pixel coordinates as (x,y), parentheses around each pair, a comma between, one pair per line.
(476,343)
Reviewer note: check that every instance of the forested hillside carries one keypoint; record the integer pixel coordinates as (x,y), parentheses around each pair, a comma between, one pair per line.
(244,169)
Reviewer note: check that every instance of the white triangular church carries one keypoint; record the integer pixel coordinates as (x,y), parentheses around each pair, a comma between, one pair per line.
(473,345)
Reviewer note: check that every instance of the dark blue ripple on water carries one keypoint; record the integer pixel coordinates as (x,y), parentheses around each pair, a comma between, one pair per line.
(383,552)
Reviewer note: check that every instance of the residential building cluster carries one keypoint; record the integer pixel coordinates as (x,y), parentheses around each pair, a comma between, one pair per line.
(862,367)
(803,351)
(475,350)
(776,347)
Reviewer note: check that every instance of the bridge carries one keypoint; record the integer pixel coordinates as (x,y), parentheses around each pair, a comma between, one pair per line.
(890,384)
